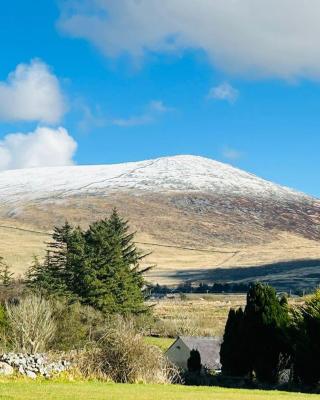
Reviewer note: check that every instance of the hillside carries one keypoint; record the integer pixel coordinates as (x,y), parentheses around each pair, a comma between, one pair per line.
(193,213)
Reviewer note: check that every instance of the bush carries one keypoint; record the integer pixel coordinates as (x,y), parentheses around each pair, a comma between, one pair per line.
(123,356)
(31,324)
(77,325)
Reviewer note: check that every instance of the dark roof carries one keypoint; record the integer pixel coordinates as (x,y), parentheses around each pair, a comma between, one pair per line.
(208,347)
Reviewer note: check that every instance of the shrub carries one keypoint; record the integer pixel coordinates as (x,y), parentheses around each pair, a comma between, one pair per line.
(31,324)
(77,325)
(123,356)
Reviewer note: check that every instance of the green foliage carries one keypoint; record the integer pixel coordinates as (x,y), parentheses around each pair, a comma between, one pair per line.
(194,361)
(6,276)
(255,339)
(266,319)
(77,325)
(233,352)
(99,267)
(306,343)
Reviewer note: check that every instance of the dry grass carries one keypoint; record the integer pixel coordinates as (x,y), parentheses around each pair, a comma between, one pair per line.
(202,316)
(124,356)
(180,240)
(19,246)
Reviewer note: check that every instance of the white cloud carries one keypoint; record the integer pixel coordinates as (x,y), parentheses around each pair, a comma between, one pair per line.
(89,118)
(153,110)
(273,38)
(45,147)
(224,91)
(31,93)
(160,107)
(231,154)
(132,121)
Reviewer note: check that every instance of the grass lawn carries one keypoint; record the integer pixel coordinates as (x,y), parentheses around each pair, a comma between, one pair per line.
(161,342)
(26,390)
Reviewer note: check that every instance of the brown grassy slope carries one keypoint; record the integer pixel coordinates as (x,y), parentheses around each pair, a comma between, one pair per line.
(183,231)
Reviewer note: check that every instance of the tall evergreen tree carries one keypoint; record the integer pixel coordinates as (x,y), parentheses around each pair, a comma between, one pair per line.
(194,362)
(53,275)
(100,267)
(305,342)
(266,320)
(233,353)
(113,280)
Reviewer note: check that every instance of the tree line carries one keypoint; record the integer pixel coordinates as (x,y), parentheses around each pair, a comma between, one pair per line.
(268,338)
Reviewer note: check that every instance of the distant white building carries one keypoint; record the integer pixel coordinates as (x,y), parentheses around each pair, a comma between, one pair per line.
(208,347)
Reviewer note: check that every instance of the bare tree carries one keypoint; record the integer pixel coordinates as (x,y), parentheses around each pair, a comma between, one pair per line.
(31,324)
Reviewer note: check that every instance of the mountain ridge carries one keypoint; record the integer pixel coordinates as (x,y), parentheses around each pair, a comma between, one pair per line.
(179,206)
(176,173)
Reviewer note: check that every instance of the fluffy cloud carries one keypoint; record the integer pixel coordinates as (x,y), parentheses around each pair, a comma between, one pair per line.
(224,92)
(277,38)
(31,93)
(41,148)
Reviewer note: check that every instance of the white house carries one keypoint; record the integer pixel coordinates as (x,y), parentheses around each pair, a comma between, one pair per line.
(208,347)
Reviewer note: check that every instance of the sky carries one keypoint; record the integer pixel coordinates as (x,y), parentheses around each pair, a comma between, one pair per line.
(110,81)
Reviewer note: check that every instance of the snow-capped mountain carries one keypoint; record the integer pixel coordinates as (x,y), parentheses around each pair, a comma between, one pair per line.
(189,211)
(168,174)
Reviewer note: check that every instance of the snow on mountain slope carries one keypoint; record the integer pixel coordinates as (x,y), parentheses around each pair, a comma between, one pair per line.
(179,173)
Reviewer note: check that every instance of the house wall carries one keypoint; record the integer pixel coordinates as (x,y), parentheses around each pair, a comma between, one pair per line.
(179,354)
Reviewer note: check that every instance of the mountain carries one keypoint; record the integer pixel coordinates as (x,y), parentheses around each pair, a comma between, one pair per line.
(193,213)
(168,174)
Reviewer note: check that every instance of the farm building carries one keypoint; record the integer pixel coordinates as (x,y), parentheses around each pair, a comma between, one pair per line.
(208,347)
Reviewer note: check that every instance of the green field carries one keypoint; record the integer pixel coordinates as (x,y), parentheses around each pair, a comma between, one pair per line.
(161,342)
(27,390)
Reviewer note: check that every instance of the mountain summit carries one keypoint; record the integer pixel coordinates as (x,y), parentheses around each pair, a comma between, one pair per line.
(168,174)
(191,213)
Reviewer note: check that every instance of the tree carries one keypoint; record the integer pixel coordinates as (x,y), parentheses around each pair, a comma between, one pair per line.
(233,353)
(113,280)
(6,276)
(255,340)
(99,267)
(194,361)
(306,344)
(267,320)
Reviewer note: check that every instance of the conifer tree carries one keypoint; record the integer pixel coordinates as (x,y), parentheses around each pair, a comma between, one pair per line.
(266,322)
(114,281)
(194,361)
(99,267)
(305,342)
(6,276)
(233,352)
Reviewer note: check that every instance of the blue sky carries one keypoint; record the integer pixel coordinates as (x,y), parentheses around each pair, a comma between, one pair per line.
(124,85)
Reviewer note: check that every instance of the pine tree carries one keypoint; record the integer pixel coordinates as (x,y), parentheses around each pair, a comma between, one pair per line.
(99,267)
(55,275)
(114,281)
(6,276)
